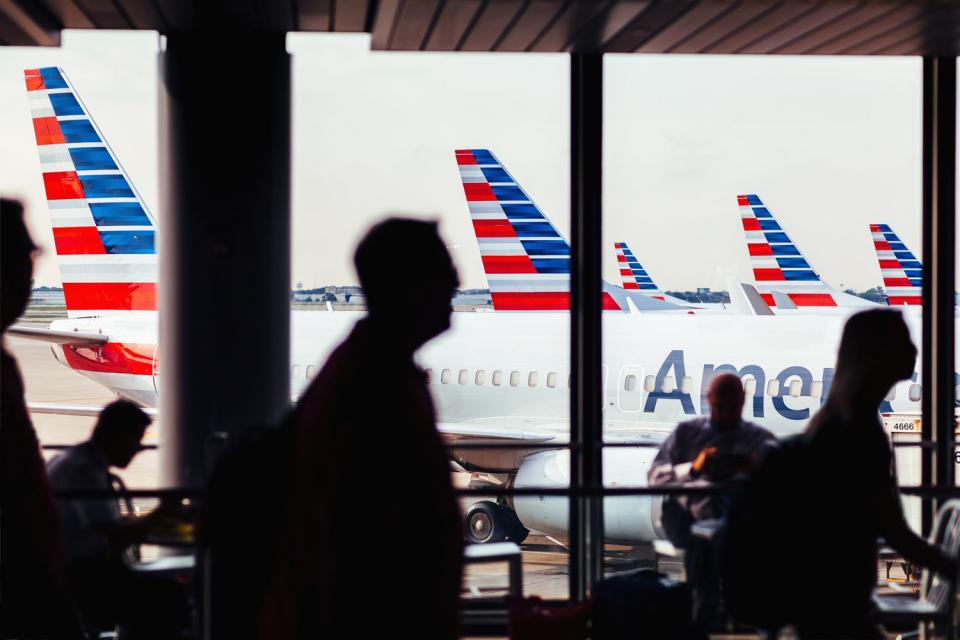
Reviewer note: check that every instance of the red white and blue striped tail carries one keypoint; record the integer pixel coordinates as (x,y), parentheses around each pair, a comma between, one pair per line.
(902,272)
(103,232)
(634,276)
(526,260)
(777,262)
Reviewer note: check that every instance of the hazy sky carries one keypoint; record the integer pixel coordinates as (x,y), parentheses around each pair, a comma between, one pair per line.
(831,144)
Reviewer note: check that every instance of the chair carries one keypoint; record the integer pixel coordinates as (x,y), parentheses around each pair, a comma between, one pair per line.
(935,608)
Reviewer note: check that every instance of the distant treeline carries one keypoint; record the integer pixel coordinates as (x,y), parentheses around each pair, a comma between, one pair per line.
(873,294)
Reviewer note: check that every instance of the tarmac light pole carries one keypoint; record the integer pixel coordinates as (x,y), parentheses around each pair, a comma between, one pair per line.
(224,242)
(586,354)
(939,264)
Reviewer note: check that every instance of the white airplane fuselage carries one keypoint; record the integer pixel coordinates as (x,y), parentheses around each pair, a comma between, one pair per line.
(508,372)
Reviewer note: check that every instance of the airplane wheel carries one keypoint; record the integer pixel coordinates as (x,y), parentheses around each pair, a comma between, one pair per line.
(486,522)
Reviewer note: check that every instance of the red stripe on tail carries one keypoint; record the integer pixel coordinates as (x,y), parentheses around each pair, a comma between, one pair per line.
(112,296)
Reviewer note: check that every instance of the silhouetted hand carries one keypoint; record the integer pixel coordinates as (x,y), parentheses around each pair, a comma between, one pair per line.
(701,462)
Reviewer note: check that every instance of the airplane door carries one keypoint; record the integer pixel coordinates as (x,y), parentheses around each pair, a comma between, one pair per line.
(630,388)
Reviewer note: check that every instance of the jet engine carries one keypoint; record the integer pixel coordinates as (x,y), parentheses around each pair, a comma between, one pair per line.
(627,519)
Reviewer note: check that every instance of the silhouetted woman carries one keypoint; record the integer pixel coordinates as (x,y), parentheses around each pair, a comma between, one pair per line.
(801,540)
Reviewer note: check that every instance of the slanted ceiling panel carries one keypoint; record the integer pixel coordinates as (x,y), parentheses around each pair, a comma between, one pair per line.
(795,27)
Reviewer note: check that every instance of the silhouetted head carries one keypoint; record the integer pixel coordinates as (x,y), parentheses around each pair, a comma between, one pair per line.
(408,278)
(119,430)
(875,352)
(16,262)
(726,397)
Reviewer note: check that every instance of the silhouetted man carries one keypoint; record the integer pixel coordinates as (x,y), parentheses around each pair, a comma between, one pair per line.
(700,451)
(708,449)
(34,602)
(826,497)
(96,534)
(374,542)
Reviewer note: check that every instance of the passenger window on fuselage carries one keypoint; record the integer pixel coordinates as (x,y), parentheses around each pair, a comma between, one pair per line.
(795,388)
(668,384)
(630,383)
(915,392)
(428,374)
(649,384)
(816,389)
(311,372)
(892,394)
(295,371)
(533,379)
(773,387)
(750,386)
(552,379)
(481,377)
(514,378)
(497,378)
(463,377)
(687,384)
(445,376)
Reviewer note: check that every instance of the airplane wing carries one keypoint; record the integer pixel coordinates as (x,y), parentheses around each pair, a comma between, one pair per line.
(85,410)
(56,337)
(552,434)
(457,432)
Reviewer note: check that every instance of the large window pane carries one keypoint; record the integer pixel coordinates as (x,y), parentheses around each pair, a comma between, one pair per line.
(790,175)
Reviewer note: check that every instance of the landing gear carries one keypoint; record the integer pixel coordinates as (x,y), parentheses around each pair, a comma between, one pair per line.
(487,521)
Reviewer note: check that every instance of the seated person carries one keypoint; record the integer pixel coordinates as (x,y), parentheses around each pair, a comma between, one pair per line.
(711,449)
(96,534)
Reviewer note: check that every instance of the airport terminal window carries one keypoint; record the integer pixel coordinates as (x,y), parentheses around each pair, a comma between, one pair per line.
(497,378)
(481,377)
(630,383)
(463,377)
(552,379)
(514,378)
(533,379)
(445,376)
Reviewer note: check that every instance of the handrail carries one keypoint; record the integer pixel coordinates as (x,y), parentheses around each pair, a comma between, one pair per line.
(665,489)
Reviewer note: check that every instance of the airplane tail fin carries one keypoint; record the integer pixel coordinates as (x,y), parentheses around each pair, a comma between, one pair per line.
(526,260)
(902,272)
(103,232)
(778,264)
(634,276)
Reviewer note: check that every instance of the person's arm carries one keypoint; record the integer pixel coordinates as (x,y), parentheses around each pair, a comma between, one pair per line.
(901,537)
(668,466)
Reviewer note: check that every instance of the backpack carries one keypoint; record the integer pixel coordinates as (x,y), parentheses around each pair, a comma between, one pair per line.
(761,542)
(641,602)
